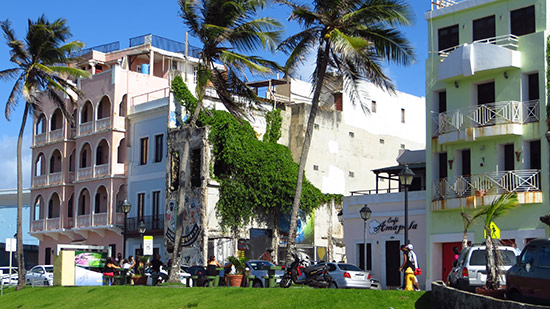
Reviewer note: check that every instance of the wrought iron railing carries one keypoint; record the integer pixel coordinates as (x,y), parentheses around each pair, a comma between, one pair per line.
(152,223)
(489,183)
(489,114)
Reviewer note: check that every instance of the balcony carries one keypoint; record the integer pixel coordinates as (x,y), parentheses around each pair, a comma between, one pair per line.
(484,120)
(56,135)
(100,219)
(37,225)
(86,128)
(84,173)
(39,181)
(55,178)
(103,123)
(152,223)
(101,170)
(83,221)
(40,138)
(493,183)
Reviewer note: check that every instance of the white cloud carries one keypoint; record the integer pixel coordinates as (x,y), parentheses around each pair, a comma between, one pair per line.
(8,161)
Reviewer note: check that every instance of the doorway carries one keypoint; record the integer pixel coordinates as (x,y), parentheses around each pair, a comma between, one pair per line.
(447,257)
(393,259)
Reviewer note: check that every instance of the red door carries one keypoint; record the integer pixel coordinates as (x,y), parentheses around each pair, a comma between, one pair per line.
(448,257)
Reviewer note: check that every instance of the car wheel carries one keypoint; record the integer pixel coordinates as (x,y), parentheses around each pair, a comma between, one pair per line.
(28,282)
(46,282)
(285,283)
(257,284)
(515,296)
(333,285)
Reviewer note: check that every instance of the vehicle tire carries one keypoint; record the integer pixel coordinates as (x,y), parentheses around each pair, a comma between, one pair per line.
(46,282)
(285,282)
(515,296)
(257,284)
(28,282)
(332,285)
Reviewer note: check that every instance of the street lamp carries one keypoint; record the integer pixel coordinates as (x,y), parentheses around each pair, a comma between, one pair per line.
(142,227)
(405,179)
(125,207)
(340,216)
(365,213)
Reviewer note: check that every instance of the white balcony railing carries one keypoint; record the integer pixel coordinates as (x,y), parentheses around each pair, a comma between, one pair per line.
(509,41)
(101,170)
(40,138)
(507,112)
(100,219)
(86,127)
(56,135)
(103,123)
(488,183)
(41,180)
(69,223)
(37,225)
(84,173)
(83,221)
(55,178)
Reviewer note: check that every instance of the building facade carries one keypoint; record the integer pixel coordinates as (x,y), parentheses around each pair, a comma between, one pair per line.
(486,121)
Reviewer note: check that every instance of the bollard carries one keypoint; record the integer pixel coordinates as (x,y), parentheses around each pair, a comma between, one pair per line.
(409,279)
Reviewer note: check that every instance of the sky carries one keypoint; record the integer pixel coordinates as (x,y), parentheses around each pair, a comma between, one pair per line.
(101,21)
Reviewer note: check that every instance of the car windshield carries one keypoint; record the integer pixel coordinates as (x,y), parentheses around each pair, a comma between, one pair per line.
(479,257)
(260,265)
(349,267)
(49,269)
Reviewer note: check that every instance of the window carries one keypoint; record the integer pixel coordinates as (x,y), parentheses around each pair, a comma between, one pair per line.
(156,208)
(338,101)
(70,211)
(486,93)
(48,256)
(373,107)
(351,134)
(442,101)
(528,256)
(315,167)
(402,115)
(351,174)
(484,28)
(402,146)
(196,168)
(509,157)
(361,256)
(316,126)
(443,165)
(544,257)
(381,141)
(158,147)
(533,82)
(447,37)
(466,162)
(522,21)
(534,155)
(141,206)
(144,151)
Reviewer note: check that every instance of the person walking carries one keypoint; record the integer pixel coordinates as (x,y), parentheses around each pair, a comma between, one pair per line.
(413,264)
(266,256)
(403,267)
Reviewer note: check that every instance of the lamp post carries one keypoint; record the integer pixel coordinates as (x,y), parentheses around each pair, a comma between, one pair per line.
(142,227)
(125,207)
(365,215)
(405,179)
(340,216)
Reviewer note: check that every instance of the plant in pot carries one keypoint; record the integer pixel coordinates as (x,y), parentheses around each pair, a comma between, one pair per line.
(139,278)
(238,269)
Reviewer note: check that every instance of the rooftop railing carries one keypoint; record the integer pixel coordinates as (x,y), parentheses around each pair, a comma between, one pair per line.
(104,48)
(499,182)
(439,4)
(506,112)
(165,44)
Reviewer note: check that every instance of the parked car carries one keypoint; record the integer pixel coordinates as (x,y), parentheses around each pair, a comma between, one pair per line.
(258,269)
(529,279)
(190,271)
(470,269)
(40,275)
(349,276)
(5,275)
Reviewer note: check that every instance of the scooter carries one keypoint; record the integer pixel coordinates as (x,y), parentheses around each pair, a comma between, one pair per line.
(314,275)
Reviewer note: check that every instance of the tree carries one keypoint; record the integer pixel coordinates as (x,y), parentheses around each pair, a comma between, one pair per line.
(351,38)
(468,220)
(225,28)
(497,209)
(41,72)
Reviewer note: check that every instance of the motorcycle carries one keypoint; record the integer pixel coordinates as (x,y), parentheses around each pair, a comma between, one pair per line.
(314,275)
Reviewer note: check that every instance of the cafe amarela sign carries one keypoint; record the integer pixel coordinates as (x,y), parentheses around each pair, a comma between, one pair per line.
(389,225)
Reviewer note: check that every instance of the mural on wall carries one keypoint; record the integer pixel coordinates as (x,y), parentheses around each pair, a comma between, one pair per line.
(191,222)
(305,229)
(389,225)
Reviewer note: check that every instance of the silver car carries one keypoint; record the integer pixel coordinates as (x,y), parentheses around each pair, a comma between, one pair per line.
(349,276)
(258,269)
(40,275)
(8,279)
(470,270)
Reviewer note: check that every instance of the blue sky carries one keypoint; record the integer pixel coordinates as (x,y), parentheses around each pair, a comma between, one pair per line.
(99,22)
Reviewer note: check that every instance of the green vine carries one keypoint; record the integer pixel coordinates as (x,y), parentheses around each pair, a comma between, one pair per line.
(255,177)
(273,122)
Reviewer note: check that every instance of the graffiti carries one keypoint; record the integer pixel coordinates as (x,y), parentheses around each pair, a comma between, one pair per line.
(192,236)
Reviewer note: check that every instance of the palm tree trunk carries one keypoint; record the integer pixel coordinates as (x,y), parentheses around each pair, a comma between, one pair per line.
(465,239)
(321,68)
(492,267)
(19,238)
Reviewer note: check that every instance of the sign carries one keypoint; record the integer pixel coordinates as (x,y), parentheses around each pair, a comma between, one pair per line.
(390,225)
(495,231)
(11,244)
(147,245)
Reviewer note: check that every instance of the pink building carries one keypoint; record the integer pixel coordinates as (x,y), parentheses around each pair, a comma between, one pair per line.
(80,169)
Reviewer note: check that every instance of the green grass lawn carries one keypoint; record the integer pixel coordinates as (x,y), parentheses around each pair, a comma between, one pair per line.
(229,298)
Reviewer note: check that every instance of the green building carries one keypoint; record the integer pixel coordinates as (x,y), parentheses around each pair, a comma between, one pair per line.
(486,77)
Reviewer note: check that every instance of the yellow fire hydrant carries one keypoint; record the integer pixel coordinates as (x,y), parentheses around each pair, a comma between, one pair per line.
(409,279)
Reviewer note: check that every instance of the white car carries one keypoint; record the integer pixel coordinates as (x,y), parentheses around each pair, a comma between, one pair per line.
(40,275)
(5,275)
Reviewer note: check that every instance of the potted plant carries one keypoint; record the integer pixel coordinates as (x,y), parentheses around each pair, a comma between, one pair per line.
(239,267)
(139,277)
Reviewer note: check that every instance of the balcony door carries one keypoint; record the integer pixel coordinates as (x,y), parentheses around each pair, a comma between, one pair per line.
(485,114)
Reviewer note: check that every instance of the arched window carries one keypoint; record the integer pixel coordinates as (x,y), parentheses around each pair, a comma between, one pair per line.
(101,200)
(84,203)
(86,112)
(121,151)
(104,108)
(54,206)
(85,155)
(70,207)
(40,124)
(102,153)
(55,162)
(71,162)
(56,122)
(38,208)
(122,106)
(40,165)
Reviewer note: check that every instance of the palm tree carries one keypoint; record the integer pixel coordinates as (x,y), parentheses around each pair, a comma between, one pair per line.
(497,209)
(468,220)
(41,74)
(351,38)
(226,29)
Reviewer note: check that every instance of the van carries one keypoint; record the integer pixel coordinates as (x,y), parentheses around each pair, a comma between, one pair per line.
(470,270)
(529,279)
